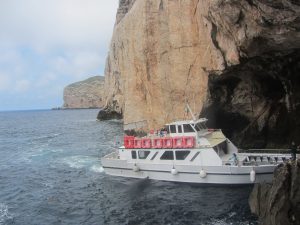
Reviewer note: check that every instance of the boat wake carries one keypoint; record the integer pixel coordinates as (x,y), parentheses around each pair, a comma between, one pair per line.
(80,161)
(96,168)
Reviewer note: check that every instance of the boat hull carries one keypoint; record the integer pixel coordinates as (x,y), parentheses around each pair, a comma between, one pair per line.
(190,174)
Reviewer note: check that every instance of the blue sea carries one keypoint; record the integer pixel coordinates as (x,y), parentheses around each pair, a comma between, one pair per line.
(50,174)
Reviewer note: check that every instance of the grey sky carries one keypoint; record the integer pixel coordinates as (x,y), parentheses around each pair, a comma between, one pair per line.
(46,45)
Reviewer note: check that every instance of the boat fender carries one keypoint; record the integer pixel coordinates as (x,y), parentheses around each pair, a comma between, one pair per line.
(252,176)
(101,170)
(174,171)
(203,174)
(136,168)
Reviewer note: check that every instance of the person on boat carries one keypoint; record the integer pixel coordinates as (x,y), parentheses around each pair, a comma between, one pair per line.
(293,150)
(162,132)
(235,159)
(157,133)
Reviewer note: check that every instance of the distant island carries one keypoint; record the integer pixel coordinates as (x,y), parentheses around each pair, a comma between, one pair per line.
(86,94)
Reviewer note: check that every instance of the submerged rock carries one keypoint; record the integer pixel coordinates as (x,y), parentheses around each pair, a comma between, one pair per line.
(278,203)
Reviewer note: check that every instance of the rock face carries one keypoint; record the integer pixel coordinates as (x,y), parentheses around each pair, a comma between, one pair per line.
(107,114)
(257,103)
(85,94)
(235,62)
(278,203)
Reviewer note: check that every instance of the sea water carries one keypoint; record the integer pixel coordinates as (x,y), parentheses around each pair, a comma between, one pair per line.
(50,174)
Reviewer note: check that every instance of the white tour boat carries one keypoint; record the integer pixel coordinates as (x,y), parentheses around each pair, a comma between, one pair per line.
(189,152)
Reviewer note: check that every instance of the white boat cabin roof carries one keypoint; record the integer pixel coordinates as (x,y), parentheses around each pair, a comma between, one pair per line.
(201,120)
(186,127)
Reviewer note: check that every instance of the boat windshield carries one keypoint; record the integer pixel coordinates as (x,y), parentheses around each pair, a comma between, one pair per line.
(188,128)
(200,126)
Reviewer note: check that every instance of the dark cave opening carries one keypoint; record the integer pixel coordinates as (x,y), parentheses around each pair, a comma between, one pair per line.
(257,103)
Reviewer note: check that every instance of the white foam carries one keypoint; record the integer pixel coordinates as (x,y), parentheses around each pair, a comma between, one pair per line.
(218,222)
(79,161)
(222,221)
(46,137)
(231,214)
(4,214)
(97,169)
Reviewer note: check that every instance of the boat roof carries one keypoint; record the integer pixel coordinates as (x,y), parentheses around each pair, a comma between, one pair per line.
(201,120)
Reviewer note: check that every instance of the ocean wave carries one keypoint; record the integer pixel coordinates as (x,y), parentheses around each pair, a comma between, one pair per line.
(46,137)
(4,214)
(231,218)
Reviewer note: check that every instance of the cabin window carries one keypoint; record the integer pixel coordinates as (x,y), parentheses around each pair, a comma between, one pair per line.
(166,129)
(133,154)
(179,129)
(168,155)
(143,154)
(188,128)
(172,128)
(181,155)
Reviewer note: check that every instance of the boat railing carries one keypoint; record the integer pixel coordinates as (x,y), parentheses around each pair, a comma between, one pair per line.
(270,150)
(204,132)
(251,163)
(271,156)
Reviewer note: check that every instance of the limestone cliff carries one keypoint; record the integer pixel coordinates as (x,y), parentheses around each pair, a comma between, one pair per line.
(278,203)
(85,94)
(234,61)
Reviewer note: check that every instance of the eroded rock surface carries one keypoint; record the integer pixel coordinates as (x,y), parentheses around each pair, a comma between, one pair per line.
(278,203)
(88,93)
(256,103)
(222,57)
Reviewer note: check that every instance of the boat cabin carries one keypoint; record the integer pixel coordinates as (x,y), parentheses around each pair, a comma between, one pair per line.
(187,127)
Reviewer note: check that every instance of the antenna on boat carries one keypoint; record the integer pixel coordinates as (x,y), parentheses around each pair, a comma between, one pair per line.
(190,110)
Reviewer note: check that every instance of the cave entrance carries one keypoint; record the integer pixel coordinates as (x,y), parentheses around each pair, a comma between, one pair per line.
(257,102)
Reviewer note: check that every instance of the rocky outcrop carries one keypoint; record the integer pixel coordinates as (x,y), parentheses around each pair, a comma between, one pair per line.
(107,114)
(236,60)
(278,203)
(85,94)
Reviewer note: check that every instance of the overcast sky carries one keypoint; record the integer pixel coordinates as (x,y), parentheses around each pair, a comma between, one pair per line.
(48,44)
